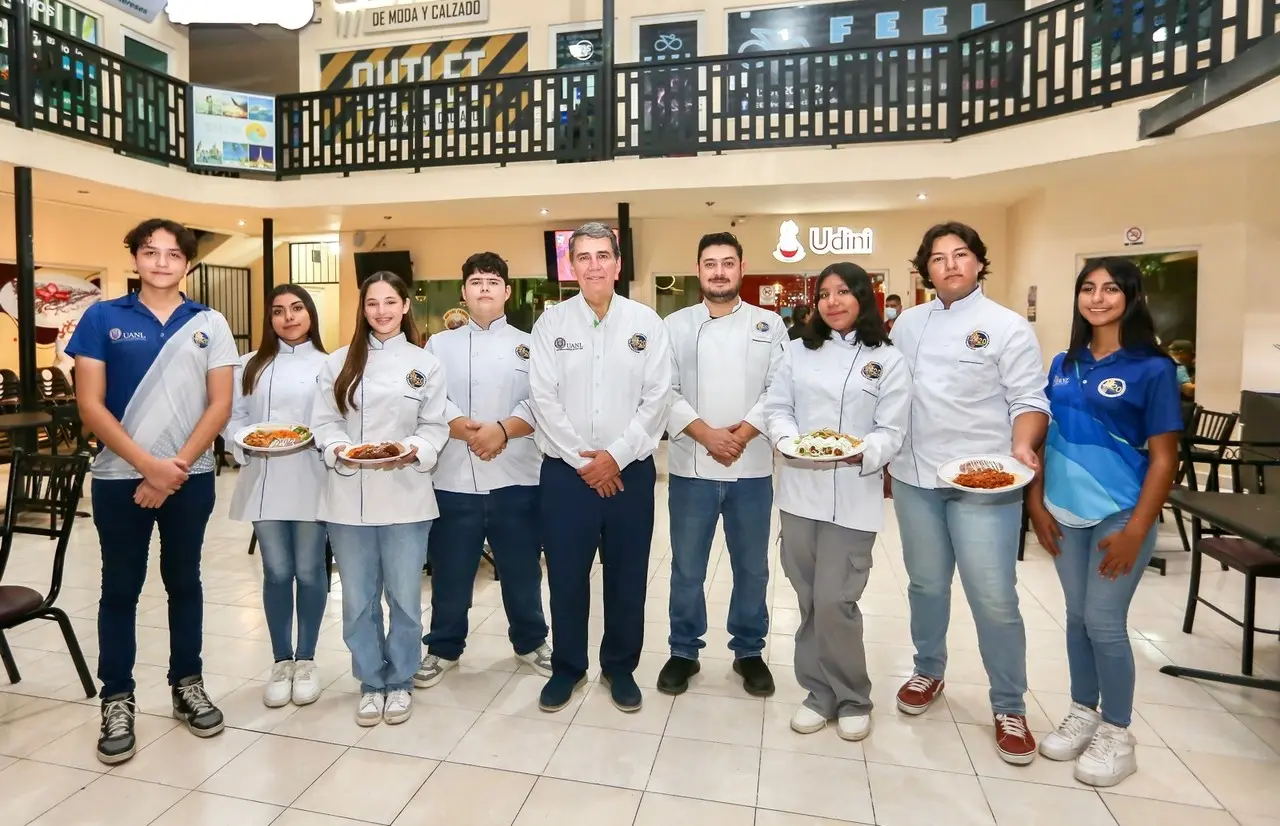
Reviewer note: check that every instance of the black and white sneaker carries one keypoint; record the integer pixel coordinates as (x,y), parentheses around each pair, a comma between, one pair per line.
(191,705)
(116,743)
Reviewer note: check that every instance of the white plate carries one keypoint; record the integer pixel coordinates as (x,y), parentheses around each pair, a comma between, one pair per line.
(243,434)
(787,447)
(343,456)
(950,470)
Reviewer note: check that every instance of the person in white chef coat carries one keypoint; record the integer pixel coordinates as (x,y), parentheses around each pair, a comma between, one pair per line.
(600,380)
(979,388)
(279,493)
(383,388)
(841,374)
(725,354)
(487,480)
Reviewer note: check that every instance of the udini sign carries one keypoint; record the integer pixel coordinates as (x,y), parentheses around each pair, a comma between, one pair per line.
(822,241)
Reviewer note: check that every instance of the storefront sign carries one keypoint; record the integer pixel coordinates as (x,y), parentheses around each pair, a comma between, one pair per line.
(822,241)
(677,40)
(363,21)
(498,54)
(287,14)
(579,49)
(147,10)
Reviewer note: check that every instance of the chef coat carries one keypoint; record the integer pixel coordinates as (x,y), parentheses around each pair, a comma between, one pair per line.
(854,389)
(400,398)
(285,487)
(722,368)
(600,384)
(976,367)
(487,374)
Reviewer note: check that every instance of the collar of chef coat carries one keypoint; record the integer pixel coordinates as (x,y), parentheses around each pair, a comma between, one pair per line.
(705,311)
(297,349)
(494,326)
(850,340)
(374,344)
(972,298)
(590,314)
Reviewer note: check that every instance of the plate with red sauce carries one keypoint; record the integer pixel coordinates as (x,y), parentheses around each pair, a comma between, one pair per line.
(987,473)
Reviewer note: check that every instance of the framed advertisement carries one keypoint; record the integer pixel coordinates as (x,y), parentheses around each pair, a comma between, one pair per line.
(483,56)
(577,48)
(233,130)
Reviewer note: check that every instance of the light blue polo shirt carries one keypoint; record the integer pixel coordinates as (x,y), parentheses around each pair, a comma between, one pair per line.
(1103,414)
(156,373)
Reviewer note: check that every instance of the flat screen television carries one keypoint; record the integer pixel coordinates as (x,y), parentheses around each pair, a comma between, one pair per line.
(396,261)
(557,244)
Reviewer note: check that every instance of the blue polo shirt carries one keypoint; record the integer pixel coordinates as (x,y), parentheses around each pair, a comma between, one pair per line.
(1103,414)
(156,373)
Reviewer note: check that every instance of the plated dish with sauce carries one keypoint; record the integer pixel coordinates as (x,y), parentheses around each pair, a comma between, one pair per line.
(274,437)
(373,454)
(825,445)
(985,474)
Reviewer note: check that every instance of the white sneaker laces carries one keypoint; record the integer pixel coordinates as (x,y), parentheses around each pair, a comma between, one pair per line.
(369,702)
(1103,747)
(304,669)
(118,717)
(919,682)
(196,698)
(430,662)
(1073,726)
(282,671)
(398,701)
(1011,725)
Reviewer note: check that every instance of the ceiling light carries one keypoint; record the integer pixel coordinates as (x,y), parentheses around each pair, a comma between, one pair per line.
(240,222)
(544,212)
(386,217)
(923,196)
(82,192)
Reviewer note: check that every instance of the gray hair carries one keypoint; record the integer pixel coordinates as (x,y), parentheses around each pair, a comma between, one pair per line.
(595,229)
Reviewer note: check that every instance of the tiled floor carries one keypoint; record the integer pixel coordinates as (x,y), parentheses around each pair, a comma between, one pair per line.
(478,752)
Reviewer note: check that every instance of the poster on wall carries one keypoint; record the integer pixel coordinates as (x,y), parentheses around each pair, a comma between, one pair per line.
(498,54)
(63,295)
(579,49)
(60,17)
(233,130)
(675,40)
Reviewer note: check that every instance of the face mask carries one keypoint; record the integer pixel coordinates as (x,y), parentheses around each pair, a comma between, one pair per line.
(890,313)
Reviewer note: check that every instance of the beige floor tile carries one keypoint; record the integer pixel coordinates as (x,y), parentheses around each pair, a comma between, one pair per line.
(1242,786)
(597,710)
(455,794)
(1162,775)
(274,770)
(768,817)
(921,744)
(298,817)
(519,697)
(563,803)
(816,786)
(432,732)
(604,756)
(1211,732)
(663,810)
(182,760)
(331,719)
(78,748)
(706,770)
(243,708)
(200,809)
(497,741)
(980,743)
(730,720)
(1019,803)
(110,801)
(29,789)
(464,687)
(779,736)
(370,785)
(1134,811)
(921,797)
(35,724)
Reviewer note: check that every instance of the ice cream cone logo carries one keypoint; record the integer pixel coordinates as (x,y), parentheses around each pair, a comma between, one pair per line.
(789,249)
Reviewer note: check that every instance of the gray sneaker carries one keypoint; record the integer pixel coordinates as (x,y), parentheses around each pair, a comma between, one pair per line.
(191,705)
(539,658)
(431,671)
(116,743)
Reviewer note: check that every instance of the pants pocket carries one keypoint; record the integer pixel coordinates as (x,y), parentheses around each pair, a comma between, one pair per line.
(856,576)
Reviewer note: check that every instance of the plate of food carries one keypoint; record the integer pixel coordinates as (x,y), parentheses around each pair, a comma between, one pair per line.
(988,474)
(825,445)
(373,454)
(274,437)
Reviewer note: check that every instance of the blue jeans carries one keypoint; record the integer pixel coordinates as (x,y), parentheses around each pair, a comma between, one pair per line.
(508,518)
(373,561)
(944,530)
(1098,649)
(696,505)
(293,552)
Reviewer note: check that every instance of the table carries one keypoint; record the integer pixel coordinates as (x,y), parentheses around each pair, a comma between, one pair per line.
(1255,517)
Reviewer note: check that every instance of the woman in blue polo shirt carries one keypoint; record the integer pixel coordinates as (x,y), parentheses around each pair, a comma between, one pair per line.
(1109,462)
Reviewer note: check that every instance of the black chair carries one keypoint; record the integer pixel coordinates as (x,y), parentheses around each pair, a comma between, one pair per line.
(1249,470)
(1205,442)
(41,484)
(54,387)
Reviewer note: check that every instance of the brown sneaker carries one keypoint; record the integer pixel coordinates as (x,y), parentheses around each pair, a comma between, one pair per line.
(1014,740)
(918,693)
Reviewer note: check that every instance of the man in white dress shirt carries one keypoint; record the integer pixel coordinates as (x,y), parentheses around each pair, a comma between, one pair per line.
(600,381)
(487,479)
(978,388)
(725,355)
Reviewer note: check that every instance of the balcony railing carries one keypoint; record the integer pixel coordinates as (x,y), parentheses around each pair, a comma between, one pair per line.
(1058,58)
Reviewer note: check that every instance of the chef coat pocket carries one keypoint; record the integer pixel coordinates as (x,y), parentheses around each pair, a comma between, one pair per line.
(857,574)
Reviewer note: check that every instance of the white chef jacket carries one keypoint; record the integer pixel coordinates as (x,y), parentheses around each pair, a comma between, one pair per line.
(401,398)
(976,367)
(600,384)
(859,390)
(278,488)
(487,373)
(722,368)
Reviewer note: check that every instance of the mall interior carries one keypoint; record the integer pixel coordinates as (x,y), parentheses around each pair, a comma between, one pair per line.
(374,135)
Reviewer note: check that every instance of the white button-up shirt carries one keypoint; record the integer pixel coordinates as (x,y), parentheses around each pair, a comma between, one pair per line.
(600,384)
(862,391)
(400,398)
(487,373)
(722,369)
(286,487)
(976,367)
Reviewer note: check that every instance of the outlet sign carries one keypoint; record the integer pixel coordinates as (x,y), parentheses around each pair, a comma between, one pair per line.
(367,21)
(287,14)
(822,241)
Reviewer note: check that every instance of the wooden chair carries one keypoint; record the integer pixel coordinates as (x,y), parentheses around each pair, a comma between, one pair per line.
(41,484)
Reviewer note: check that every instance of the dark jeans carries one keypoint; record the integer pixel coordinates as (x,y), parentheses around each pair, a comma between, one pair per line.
(508,519)
(575,522)
(124,532)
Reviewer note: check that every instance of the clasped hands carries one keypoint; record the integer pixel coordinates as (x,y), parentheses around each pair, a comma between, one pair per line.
(161,478)
(486,441)
(725,444)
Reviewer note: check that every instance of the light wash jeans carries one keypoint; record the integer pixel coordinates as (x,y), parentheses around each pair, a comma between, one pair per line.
(944,530)
(373,561)
(293,551)
(1099,653)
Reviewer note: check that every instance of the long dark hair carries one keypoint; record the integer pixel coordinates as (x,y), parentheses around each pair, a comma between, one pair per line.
(965,233)
(344,387)
(271,342)
(1137,327)
(868,327)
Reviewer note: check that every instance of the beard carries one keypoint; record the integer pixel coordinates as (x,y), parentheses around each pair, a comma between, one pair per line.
(721,294)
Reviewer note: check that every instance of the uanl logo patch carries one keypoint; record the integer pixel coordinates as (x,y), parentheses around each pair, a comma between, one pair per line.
(522,351)
(638,342)
(977,340)
(201,338)
(762,326)
(1112,388)
(872,371)
(415,379)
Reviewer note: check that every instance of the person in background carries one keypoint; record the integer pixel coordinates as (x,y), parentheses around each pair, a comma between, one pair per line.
(725,354)
(845,375)
(1183,354)
(801,316)
(279,493)
(892,309)
(978,387)
(383,388)
(154,374)
(599,380)
(1109,463)
(487,479)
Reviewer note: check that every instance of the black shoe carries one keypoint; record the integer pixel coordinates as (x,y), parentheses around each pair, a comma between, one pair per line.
(558,691)
(191,705)
(116,744)
(624,691)
(675,675)
(756,678)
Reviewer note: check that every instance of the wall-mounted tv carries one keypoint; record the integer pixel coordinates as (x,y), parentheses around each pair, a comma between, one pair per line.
(557,244)
(396,261)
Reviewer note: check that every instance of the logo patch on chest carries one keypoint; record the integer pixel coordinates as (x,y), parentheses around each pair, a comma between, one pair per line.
(522,351)
(638,342)
(201,338)
(415,379)
(1112,388)
(977,340)
(762,326)
(872,371)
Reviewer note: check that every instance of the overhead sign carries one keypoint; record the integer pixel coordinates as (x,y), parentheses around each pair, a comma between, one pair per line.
(233,130)
(147,10)
(365,21)
(497,54)
(1133,237)
(822,241)
(287,14)
(582,49)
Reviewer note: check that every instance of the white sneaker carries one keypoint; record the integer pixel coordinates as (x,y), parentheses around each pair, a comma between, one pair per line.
(854,728)
(1109,758)
(280,687)
(399,706)
(369,712)
(807,721)
(1073,735)
(539,658)
(306,688)
(432,671)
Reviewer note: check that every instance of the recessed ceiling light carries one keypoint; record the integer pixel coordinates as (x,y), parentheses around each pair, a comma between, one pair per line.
(923,196)
(544,212)
(240,222)
(386,217)
(82,192)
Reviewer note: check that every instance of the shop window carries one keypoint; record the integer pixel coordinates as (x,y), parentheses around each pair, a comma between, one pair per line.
(530,297)
(146,55)
(62,17)
(675,292)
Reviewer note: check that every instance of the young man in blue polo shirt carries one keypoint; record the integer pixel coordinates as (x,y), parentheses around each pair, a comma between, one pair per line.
(154,384)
